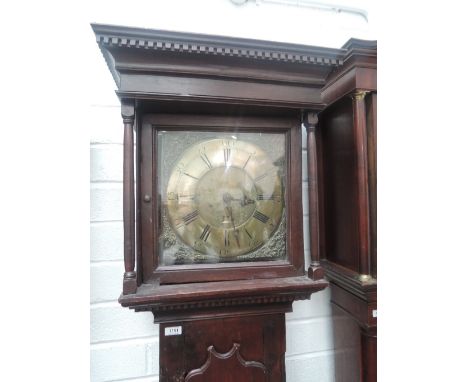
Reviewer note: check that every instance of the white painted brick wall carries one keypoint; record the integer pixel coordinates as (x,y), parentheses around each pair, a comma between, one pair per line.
(124,344)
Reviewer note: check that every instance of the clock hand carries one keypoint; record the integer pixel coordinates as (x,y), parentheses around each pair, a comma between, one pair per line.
(228,211)
(227,199)
(246,201)
(236,232)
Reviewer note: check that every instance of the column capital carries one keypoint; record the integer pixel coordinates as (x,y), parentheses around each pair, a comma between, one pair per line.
(127,110)
(311,120)
(359,94)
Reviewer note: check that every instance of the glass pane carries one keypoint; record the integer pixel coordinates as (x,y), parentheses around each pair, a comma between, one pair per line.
(222,197)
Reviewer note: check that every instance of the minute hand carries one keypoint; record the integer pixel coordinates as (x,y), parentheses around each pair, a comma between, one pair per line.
(236,231)
(244,201)
(227,198)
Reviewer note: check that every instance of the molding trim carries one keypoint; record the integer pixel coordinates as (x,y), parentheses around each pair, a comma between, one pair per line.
(349,280)
(224,357)
(138,38)
(223,302)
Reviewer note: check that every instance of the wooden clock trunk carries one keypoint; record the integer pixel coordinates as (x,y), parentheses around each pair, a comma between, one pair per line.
(211,352)
(224,320)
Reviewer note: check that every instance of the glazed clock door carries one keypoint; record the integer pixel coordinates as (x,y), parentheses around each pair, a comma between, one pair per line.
(222,197)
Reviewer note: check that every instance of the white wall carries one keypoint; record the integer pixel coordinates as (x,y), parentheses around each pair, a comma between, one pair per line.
(124,344)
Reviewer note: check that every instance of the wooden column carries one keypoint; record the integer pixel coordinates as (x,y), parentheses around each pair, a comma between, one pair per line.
(315,271)
(128,117)
(360,138)
(369,355)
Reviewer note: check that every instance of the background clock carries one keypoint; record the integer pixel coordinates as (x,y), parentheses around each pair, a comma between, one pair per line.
(223,197)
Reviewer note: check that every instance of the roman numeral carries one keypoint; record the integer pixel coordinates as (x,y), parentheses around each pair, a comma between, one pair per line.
(206,232)
(186,197)
(271,197)
(248,233)
(206,160)
(190,217)
(260,217)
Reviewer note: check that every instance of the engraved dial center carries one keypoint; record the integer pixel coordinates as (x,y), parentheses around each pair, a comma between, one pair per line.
(225,197)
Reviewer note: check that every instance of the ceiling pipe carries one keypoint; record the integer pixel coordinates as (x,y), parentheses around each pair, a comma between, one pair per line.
(311,4)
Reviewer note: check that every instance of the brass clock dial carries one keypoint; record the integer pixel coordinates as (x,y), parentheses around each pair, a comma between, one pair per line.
(224,197)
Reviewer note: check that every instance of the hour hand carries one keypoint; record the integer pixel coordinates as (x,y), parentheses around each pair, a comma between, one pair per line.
(228,211)
(246,201)
(227,199)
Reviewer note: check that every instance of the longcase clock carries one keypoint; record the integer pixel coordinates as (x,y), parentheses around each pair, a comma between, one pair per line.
(213,235)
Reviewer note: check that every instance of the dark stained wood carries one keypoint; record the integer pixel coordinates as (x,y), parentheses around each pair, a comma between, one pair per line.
(371,122)
(295,239)
(219,91)
(292,266)
(214,66)
(128,116)
(359,308)
(240,122)
(369,355)
(138,201)
(348,152)
(347,346)
(161,65)
(360,142)
(253,349)
(359,71)
(340,185)
(231,365)
(361,311)
(315,271)
(278,289)
(355,78)
(190,107)
(128,45)
(321,193)
(349,280)
(232,315)
(147,196)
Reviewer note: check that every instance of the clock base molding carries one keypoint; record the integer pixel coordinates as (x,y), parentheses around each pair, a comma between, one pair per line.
(351,281)
(221,299)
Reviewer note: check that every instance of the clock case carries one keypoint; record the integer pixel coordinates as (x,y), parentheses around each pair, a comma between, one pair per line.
(191,80)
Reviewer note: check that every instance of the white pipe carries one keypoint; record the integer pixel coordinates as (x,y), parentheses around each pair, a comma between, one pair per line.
(311,4)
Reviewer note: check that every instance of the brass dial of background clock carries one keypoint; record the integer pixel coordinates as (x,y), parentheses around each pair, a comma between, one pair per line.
(224,197)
